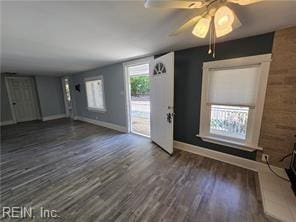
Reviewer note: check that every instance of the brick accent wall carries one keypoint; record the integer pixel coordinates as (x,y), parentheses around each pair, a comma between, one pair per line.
(279,115)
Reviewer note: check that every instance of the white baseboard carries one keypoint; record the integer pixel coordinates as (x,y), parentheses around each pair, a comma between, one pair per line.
(8,122)
(101,123)
(227,158)
(52,117)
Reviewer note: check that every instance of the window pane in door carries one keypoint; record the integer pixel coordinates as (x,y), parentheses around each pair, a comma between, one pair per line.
(229,121)
(67,90)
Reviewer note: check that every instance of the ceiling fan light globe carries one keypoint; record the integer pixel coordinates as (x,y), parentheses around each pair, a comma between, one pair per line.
(224,17)
(222,32)
(225,21)
(202,27)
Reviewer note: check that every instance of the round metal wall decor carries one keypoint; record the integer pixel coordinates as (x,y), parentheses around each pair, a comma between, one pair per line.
(159,68)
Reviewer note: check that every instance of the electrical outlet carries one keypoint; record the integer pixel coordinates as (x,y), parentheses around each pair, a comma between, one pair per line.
(264,157)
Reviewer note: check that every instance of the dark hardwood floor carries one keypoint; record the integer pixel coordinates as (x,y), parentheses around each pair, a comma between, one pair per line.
(89,173)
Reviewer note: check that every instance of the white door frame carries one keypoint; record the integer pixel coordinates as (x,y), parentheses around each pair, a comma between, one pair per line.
(10,97)
(127,86)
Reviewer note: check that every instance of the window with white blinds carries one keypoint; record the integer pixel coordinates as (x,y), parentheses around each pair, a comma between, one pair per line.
(95,94)
(233,93)
(233,86)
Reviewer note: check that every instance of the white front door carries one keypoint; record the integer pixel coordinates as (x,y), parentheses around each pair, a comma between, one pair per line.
(23,98)
(162,101)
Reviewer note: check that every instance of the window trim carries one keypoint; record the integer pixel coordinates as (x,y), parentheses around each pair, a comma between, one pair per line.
(100,77)
(254,123)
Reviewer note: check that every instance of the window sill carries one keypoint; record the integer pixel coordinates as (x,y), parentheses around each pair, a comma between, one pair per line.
(96,110)
(230,143)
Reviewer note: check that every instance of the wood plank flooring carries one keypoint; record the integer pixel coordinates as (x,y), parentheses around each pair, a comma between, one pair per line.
(90,173)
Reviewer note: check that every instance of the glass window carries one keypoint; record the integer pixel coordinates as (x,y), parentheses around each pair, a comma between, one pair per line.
(233,93)
(95,94)
(229,121)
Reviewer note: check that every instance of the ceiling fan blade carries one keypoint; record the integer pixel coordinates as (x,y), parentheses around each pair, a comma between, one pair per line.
(187,25)
(183,4)
(244,2)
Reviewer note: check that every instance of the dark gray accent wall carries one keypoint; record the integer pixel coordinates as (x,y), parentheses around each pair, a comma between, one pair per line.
(51,97)
(5,106)
(114,95)
(188,83)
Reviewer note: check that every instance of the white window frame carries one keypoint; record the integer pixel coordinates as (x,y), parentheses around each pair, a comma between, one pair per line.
(255,113)
(100,77)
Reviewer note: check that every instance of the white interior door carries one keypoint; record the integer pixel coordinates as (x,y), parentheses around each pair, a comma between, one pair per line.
(23,99)
(162,101)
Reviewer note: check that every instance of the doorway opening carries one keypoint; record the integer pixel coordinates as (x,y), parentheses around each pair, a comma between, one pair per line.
(139,98)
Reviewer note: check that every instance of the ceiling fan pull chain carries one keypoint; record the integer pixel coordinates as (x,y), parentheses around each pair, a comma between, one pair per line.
(210,41)
(214,45)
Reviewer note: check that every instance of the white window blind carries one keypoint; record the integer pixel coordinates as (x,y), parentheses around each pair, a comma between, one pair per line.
(94,92)
(234,86)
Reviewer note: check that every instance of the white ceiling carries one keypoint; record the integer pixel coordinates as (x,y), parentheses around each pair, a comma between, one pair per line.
(56,38)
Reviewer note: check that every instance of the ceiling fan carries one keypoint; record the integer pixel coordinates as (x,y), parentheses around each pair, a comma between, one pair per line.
(214,16)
